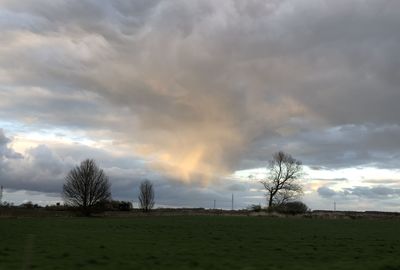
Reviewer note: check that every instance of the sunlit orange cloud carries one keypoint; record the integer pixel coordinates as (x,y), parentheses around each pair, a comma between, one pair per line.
(193,164)
(206,151)
(199,154)
(185,166)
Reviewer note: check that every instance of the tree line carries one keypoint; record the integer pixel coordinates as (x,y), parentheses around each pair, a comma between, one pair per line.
(87,186)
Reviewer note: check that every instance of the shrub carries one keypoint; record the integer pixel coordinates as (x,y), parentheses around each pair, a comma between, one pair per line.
(29,205)
(291,208)
(102,206)
(255,208)
(120,205)
(125,206)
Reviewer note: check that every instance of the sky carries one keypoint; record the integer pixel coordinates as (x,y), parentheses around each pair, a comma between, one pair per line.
(197,95)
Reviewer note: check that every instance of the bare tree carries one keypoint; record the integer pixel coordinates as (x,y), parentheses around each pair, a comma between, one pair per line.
(281,183)
(1,195)
(86,185)
(146,196)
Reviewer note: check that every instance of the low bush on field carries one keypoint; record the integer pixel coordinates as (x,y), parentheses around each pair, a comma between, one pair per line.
(291,208)
(255,208)
(121,205)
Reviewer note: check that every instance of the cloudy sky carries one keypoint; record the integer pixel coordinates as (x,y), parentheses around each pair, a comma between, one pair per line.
(197,95)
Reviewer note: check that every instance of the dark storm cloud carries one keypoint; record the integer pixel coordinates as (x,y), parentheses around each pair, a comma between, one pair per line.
(337,147)
(38,170)
(202,88)
(41,168)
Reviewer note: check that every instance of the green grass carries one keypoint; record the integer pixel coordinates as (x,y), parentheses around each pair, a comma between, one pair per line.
(195,242)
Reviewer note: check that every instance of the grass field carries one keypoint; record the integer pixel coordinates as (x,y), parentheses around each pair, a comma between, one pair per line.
(198,242)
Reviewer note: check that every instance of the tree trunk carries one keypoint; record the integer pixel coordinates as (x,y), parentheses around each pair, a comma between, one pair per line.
(270,200)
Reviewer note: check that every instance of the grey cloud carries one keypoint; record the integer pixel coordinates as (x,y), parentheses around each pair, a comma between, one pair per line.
(335,147)
(372,193)
(354,145)
(5,151)
(334,180)
(45,160)
(326,192)
(39,171)
(382,181)
(204,88)
(174,193)
(317,168)
(237,187)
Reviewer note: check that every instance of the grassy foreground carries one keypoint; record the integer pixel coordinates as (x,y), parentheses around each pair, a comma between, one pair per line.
(198,242)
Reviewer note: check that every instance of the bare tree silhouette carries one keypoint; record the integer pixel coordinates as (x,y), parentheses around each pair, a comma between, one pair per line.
(281,183)
(86,185)
(146,196)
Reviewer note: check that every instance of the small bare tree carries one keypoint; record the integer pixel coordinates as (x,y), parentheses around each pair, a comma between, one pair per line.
(1,195)
(281,183)
(86,185)
(146,196)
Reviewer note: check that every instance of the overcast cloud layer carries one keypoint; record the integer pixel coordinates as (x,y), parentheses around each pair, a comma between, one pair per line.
(191,91)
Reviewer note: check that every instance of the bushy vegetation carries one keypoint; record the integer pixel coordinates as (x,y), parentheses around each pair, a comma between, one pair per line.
(120,205)
(290,208)
(255,208)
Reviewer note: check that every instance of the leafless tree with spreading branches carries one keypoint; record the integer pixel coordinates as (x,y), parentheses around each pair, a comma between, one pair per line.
(281,183)
(86,185)
(146,196)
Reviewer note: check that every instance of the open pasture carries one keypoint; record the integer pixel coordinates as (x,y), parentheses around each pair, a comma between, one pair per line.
(198,242)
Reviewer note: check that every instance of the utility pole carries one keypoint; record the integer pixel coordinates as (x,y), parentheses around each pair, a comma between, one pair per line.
(232,202)
(334,206)
(215,204)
